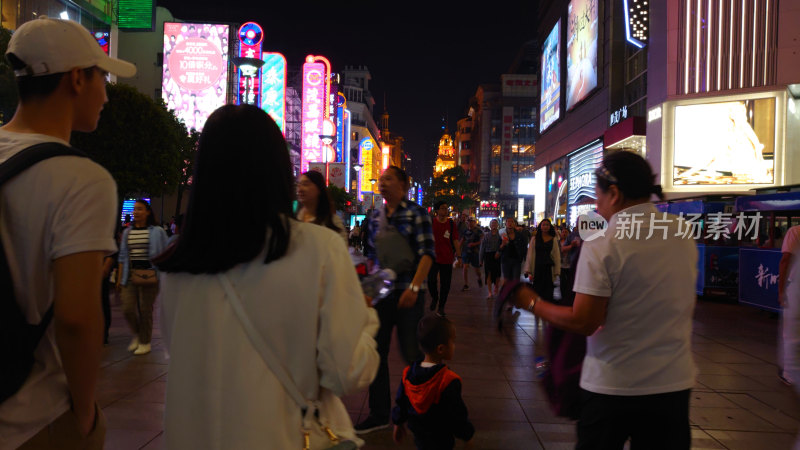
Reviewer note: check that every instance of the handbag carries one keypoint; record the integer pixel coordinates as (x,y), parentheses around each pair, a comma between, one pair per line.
(320,416)
(392,248)
(144,277)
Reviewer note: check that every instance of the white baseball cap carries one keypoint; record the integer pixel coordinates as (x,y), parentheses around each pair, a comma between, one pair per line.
(48,46)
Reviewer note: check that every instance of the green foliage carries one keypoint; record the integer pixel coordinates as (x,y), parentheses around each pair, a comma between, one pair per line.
(144,146)
(340,197)
(453,187)
(8,84)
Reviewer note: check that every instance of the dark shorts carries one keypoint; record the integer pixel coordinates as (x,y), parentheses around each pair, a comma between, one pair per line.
(471,259)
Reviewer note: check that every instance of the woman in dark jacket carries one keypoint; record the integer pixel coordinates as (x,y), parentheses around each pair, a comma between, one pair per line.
(512,251)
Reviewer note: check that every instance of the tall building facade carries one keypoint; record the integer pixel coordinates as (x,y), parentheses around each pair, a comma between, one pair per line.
(365,139)
(446,155)
(463,144)
(503,144)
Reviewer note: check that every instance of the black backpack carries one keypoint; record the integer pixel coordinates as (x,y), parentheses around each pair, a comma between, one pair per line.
(18,338)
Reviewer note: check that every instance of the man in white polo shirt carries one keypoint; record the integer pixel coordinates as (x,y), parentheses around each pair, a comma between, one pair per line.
(635,300)
(57,224)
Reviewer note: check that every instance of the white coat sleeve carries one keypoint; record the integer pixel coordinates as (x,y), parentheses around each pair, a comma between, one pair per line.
(347,355)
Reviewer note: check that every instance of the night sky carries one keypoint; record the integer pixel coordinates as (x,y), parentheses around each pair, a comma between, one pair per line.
(427,58)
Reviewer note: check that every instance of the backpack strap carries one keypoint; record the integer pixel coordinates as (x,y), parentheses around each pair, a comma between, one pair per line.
(9,169)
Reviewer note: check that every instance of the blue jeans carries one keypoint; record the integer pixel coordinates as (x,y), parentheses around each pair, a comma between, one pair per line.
(380,391)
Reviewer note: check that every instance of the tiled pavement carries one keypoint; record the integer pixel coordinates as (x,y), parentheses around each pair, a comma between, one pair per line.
(738,402)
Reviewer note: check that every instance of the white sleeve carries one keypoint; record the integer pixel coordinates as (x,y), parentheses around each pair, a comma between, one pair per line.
(85,218)
(791,242)
(347,355)
(592,275)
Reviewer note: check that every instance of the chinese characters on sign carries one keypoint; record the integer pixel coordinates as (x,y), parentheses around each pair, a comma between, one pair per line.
(313,112)
(690,226)
(618,116)
(273,88)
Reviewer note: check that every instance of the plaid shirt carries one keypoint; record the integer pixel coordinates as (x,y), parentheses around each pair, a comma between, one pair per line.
(413,222)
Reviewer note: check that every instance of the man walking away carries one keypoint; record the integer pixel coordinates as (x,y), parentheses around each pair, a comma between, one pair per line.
(57,223)
(446,246)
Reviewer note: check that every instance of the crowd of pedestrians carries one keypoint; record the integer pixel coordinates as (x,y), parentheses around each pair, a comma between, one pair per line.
(267,327)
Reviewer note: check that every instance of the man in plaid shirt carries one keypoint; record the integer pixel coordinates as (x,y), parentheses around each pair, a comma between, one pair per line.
(404,306)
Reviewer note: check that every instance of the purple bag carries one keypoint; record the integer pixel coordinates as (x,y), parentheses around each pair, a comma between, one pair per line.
(561,380)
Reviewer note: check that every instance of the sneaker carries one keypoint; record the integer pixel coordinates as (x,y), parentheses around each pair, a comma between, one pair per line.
(134,344)
(371,424)
(465,288)
(142,349)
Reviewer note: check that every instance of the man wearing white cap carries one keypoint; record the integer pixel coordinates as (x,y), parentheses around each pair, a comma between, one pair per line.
(56,223)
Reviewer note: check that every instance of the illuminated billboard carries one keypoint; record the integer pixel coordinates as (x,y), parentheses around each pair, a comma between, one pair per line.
(273,88)
(365,148)
(195,71)
(249,87)
(582,32)
(725,143)
(551,81)
(316,85)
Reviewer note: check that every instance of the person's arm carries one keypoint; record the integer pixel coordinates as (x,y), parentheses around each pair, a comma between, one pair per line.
(423,231)
(783,273)
(584,317)
(458,416)
(78,321)
(108,263)
(347,356)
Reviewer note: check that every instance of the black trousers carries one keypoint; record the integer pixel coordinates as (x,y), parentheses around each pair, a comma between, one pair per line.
(439,273)
(652,422)
(380,391)
(105,297)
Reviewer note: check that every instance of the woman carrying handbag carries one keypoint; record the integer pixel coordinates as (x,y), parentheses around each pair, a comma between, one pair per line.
(266,327)
(138,279)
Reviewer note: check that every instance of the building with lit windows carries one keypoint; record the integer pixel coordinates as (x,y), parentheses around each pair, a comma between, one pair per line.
(463,145)
(503,140)
(446,157)
(365,136)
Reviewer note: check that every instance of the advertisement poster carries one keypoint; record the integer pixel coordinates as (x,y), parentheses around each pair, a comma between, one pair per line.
(725,143)
(336,175)
(582,32)
(551,81)
(581,195)
(195,74)
(758,278)
(556,197)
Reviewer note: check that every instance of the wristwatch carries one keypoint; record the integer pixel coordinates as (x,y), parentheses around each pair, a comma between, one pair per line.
(413,288)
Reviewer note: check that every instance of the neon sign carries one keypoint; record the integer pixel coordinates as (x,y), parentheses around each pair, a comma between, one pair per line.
(385,152)
(345,138)
(316,85)
(365,159)
(273,88)
(249,88)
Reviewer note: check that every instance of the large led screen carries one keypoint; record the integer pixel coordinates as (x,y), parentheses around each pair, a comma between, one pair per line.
(725,143)
(551,83)
(582,31)
(195,74)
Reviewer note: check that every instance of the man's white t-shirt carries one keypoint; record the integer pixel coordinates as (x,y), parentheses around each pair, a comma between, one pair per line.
(61,206)
(644,347)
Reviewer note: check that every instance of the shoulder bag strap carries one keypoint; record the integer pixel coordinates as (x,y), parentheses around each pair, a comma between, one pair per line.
(260,344)
(12,167)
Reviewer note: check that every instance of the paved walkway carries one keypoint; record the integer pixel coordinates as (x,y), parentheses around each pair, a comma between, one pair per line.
(738,402)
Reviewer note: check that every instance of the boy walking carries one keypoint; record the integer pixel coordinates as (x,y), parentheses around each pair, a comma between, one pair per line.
(58,221)
(429,397)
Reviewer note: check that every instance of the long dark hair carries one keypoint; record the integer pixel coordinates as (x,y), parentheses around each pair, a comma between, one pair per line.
(242,162)
(151,218)
(324,213)
(552,231)
(631,173)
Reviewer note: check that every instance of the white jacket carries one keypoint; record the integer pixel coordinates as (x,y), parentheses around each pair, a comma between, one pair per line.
(309,307)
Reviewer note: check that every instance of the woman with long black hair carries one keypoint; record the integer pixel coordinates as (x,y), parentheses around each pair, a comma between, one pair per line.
(274,281)
(544,259)
(316,205)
